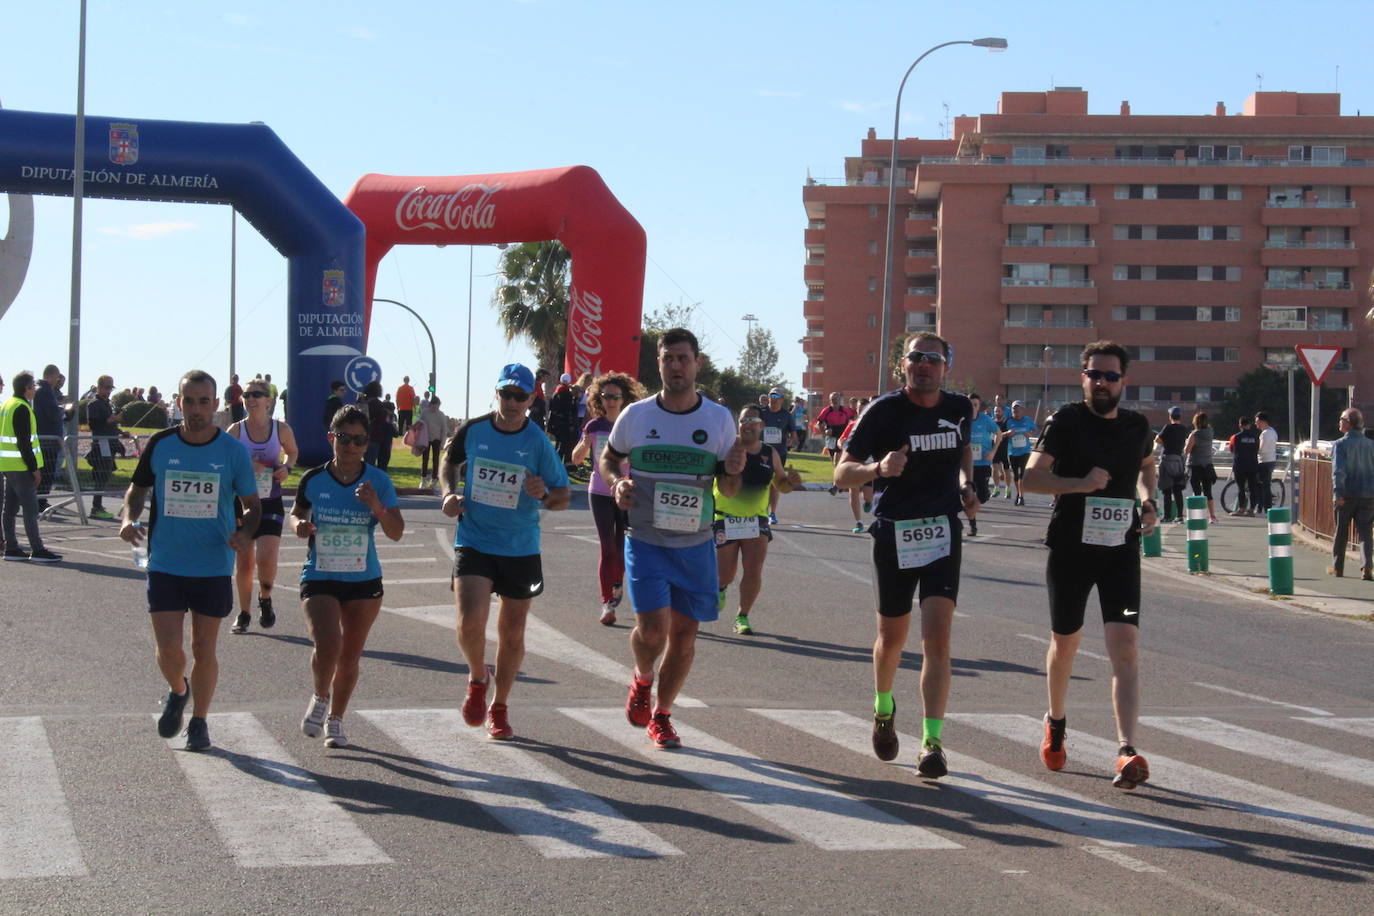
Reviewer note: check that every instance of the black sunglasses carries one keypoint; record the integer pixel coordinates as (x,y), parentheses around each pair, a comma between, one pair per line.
(612,397)
(359,440)
(519,395)
(256,394)
(921,356)
(1103,374)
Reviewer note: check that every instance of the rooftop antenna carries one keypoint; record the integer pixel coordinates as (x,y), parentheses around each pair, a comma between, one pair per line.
(1259,82)
(945,125)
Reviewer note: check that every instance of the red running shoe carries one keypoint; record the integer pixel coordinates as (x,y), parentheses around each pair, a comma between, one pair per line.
(498,725)
(661,731)
(638,708)
(1131,769)
(475,703)
(1052,751)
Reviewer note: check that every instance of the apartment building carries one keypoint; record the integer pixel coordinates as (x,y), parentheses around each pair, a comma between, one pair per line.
(1207,245)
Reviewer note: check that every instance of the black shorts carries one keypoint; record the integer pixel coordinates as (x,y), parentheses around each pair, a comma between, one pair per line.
(273,514)
(896,588)
(341,590)
(1000,456)
(1018,465)
(982,473)
(1071,574)
(210,596)
(511,577)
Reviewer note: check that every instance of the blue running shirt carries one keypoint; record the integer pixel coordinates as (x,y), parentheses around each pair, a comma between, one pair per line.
(344,547)
(1018,443)
(192,512)
(982,432)
(499,517)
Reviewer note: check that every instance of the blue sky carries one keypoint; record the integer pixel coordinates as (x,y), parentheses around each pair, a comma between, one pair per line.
(702,118)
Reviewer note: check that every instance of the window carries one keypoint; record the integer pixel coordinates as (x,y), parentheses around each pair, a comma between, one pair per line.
(1234,153)
(872,284)
(1177,272)
(872,211)
(1296,154)
(872,247)
(872,321)
(871,358)
(1028,154)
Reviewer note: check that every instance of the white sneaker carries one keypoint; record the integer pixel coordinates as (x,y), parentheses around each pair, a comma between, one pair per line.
(313,723)
(334,734)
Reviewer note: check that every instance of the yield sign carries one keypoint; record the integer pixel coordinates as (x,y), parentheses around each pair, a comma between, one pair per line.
(1317,360)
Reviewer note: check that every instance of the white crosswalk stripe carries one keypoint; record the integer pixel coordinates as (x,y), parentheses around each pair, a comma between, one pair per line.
(544,809)
(1189,781)
(1050,805)
(1272,747)
(798,805)
(253,789)
(37,838)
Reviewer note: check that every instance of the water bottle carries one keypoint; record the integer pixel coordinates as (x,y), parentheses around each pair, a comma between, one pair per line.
(140,550)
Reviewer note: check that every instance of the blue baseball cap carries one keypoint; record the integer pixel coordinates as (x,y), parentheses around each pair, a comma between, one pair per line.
(514,374)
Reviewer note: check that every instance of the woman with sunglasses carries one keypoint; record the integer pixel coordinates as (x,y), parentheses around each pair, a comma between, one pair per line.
(338,507)
(741,521)
(273,447)
(606,396)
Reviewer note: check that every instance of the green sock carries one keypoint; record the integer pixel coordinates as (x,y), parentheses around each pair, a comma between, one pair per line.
(931,728)
(720,599)
(883,704)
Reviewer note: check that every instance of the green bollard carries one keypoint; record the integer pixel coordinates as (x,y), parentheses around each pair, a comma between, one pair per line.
(1153,544)
(1197,534)
(1281,551)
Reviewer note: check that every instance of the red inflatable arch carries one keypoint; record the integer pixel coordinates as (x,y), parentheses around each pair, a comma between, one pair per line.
(572,205)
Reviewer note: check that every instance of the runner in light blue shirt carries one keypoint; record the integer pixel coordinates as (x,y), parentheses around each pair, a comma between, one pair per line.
(1019,430)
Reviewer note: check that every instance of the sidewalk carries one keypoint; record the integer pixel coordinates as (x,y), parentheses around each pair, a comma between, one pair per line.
(1238,552)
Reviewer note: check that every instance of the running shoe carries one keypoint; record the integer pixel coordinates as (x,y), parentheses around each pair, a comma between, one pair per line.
(1007,494)
(661,731)
(834,490)
(334,734)
(169,723)
(885,741)
(972,528)
(475,703)
(637,708)
(930,763)
(1052,751)
(772,518)
(858,528)
(266,616)
(15,553)
(1020,501)
(313,723)
(607,614)
(1131,769)
(43,555)
(742,625)
(197,735)
(498,723)
(1367,573)
(103,514)
(241,622)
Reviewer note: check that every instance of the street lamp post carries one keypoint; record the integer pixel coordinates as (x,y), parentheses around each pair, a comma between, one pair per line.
(1046,355)
(433,353)
(883,368)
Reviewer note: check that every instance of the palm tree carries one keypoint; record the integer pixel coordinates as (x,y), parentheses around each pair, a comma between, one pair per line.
(532,298)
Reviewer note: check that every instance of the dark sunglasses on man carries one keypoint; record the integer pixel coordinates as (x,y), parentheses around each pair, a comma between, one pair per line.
(922,356)
(1103,374)
(518,395)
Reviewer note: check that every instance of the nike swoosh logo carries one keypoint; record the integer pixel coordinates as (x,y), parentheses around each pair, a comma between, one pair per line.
(536,586)
(1129,613)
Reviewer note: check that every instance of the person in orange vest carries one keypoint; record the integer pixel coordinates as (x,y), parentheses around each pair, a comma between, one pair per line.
(405,405)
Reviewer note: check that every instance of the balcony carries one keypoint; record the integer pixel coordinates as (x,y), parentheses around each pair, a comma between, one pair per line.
(1305,257)
(1282,333)
(920,226)
(1021,291)
(1335,213)
(1050,243)
(920,321)
(813,274)
(918,298)
(1308,285)
(1299,243)
(1075,210)
(1298,202)
(813,308)
(1026,281)
(813,237)
(1058,331)
(1325,295)
(1148,162)
(1052,252)
(919,261)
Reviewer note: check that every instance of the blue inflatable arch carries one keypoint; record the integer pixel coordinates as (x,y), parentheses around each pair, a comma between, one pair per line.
(243,165)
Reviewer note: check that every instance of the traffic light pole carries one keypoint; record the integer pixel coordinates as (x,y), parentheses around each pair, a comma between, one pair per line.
(433,353)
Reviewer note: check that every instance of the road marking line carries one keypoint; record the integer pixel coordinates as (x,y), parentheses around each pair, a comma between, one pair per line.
(1271,747)
(542,640)
(537,804)
(266,808)
(37,837)
(996,785)
(1206,787)
(770,791)
(1362,727)
(1045,642)
(583,537)
(1259,699)
(830,564)
(1117,857)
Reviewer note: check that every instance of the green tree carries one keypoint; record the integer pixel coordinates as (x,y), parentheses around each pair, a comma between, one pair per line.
(1267,390)
(532,298)
(758,358)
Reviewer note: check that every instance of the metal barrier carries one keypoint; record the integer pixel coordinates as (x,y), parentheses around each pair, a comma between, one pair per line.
(1316,509)
(77,468)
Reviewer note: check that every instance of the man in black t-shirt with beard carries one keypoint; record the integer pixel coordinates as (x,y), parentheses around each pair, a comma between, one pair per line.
(1096,458)
(922,480)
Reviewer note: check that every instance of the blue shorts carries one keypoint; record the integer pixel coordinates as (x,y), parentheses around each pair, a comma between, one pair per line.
(682,578)
(211,596)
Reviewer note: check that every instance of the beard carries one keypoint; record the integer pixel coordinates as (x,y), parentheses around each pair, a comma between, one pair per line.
(1103,402)
(679,384)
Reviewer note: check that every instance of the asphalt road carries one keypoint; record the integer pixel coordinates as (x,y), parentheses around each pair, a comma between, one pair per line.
(1259,726)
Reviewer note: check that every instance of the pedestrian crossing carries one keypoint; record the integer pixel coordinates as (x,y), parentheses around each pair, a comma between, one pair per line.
(817,790)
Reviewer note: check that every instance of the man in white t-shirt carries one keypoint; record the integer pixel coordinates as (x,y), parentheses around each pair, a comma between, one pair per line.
(1268,458)
(678,443)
